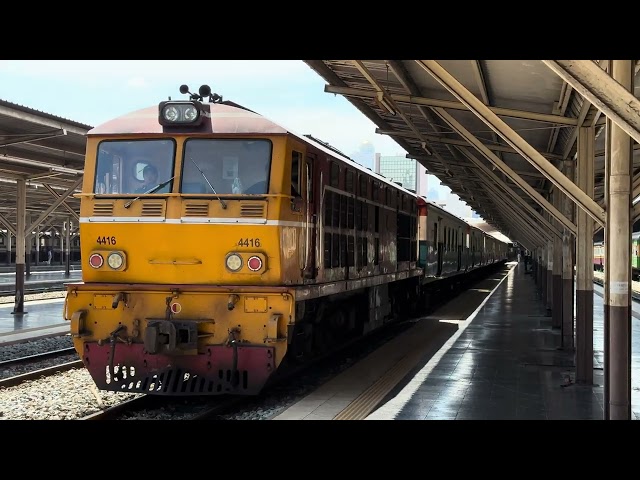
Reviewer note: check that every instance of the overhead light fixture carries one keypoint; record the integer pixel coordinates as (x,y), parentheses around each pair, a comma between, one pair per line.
(448,173)
(424,147)
(383,102)
(72,171)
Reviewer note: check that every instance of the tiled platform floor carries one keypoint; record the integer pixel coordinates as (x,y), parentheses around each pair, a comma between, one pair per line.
(507,364)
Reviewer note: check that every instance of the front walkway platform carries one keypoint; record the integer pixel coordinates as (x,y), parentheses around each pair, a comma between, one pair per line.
(506,363)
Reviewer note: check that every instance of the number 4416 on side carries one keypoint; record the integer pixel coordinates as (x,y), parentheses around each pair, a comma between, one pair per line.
(249,242)
(106,240)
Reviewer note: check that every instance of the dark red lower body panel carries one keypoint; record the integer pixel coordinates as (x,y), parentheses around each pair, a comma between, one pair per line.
(215,372)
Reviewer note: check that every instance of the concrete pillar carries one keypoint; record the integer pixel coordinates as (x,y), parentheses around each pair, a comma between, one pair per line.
(27,254)
(618,258)
(18,307)
(556,321)
(38,245)
(62,242)
(67,246)
(584,261)
(543,274)
(567,266)
(9,262)
(550,245)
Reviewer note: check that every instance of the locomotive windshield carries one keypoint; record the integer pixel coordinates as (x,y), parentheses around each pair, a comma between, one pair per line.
(135,166)
(239,167)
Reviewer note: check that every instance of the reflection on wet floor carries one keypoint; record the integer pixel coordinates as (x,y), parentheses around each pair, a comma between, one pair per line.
(507,364)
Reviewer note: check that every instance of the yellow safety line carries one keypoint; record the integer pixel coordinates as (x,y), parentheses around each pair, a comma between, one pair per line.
(364,404)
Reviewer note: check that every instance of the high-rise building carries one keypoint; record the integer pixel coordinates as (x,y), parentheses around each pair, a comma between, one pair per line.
(406,171)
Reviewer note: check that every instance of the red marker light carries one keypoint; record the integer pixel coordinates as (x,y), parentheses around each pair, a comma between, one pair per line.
(254,264)
(176,307)
(96,260)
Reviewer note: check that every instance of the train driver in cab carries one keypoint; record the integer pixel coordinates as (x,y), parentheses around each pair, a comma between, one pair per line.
(150,176)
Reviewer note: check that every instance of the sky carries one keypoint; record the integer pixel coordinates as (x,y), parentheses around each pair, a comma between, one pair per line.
(288,92)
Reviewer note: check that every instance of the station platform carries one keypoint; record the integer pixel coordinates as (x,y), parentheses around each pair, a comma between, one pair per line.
(41,318)
(503,361)
(42,280)
(506,363)
(43,267)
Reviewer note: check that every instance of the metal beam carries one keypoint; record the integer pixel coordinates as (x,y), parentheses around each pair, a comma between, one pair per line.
(593,83)
(516,219)
(7,224)
(509,211)
(539,199)
(387,103)
(574,135)
(432,102)
(330,76)
(513,139)
(468,165)
(64,204)
(487,171)
(513,217)
(454,141)
(55,205)
(60,132)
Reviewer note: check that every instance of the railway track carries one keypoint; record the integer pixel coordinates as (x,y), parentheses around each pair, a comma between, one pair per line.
(634,295)
(36,374)
(36,357)
(57,287)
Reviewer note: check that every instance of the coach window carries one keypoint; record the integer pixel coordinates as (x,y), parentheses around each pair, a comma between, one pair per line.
(328,208)
(363,186)
(336,210)
(335,174)
(348,181)
(296,161)
(365,216)
(327,250)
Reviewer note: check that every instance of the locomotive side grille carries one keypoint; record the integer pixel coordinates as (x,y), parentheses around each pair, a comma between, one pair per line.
(153,209)
(103,210)
(254,210)
(200,209)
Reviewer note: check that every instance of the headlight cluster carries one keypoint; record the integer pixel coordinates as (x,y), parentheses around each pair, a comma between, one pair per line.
(179,113)
(235,262)
(115,260)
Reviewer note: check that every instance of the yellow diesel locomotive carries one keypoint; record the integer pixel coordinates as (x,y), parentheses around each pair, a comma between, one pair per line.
(217,244)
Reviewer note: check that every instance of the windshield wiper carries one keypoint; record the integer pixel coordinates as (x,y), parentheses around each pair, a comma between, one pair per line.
(224,205)
(152,190)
